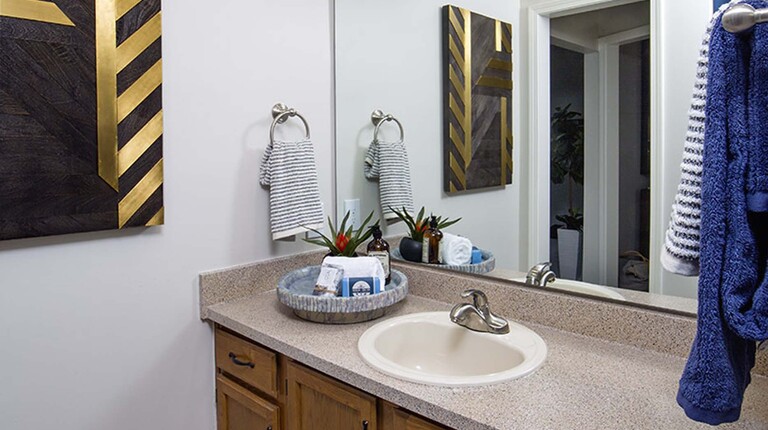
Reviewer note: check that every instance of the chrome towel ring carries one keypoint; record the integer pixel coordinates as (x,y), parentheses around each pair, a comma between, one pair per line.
(281,113)
(378,118)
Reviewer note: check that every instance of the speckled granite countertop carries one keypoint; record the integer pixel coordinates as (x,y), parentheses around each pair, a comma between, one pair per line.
(586,383)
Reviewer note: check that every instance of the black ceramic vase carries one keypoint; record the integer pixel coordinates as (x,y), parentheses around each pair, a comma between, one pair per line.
(410,249)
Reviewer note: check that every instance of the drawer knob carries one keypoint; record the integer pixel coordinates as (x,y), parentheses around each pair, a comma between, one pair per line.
(365,424)
(239,362)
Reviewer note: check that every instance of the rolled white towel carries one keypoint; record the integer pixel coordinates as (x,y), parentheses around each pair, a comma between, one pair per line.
(359,267)
(455,250)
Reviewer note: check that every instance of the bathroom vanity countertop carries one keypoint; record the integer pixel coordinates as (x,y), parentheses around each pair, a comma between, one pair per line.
(585,383)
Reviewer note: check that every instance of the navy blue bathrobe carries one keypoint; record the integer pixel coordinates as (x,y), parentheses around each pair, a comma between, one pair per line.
(733,289)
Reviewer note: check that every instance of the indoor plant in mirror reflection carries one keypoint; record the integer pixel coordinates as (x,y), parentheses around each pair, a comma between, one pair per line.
(567,166)
(344,240)
(410,247)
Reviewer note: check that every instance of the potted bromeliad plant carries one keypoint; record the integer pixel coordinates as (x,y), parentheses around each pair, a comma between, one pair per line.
(410,247)
(344,240)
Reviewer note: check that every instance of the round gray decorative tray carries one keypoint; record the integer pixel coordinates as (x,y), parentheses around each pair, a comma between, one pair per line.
(485,266)
(295,291)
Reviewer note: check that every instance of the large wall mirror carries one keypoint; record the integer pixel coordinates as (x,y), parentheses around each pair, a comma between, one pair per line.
(597,133)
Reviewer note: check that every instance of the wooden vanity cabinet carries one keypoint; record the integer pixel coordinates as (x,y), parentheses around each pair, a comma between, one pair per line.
(257,389)
(393,417)
(240,409)
(315,401)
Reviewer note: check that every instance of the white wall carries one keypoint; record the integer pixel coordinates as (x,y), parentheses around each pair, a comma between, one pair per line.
(389,57)
(101,330)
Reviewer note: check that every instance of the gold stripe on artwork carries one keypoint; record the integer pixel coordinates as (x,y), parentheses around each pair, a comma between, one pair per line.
(467,70)
(123,6)
(456,111)
(455,139)
(139,195)
(506,42)
(495,63)
(507,164)
(139,91)
(497,33)
(458,171)
(34,10)
(140,142)
(106,92)
(503,113)
(157,219)
(455,23)
(138,42)
(488,81)
(457,85)
(455,52)
(510,140)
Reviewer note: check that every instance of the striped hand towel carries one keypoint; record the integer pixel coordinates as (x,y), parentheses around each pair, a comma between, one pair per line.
(680,253)
(388,162)
(289,170)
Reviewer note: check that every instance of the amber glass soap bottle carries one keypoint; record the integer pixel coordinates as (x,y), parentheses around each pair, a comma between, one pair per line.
(379,248)
(430,247)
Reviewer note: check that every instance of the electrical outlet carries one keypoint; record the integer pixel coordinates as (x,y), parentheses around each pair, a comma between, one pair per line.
(353,207)
(312,235)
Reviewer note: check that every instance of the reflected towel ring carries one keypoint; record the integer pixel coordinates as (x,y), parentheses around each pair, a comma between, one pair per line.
(378,118)
(281,113)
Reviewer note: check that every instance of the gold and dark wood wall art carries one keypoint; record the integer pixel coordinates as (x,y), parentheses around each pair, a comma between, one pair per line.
(477,101)
(81,120)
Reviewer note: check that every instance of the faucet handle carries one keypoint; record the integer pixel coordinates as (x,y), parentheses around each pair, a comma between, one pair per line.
(533,277)
(479,298)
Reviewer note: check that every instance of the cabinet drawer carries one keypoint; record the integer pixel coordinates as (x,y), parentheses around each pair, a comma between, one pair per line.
(248,362)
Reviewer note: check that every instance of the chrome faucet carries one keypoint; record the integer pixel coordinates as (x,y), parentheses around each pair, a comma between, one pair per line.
(540,275)
(477,316)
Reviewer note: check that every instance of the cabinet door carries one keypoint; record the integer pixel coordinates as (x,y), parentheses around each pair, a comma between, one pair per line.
(240,409)
(393,418)
(316,401)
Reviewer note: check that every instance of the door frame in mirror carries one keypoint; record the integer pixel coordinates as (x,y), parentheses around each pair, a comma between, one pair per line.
(537,196)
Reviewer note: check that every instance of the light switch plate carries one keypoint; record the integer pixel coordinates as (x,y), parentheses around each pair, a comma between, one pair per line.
(353,207)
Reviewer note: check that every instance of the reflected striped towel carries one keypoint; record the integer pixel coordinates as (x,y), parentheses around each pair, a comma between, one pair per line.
(388,162)
(289,170)
(680,253)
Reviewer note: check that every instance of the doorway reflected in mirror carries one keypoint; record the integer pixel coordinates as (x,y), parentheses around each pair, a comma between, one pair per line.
(600,146)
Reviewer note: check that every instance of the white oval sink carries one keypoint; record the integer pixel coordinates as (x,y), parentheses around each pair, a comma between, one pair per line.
(582,287)
(430,349)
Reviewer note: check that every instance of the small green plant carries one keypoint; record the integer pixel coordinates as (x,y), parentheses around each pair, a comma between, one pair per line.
(573,221)
(417,226)
(344,240)
(567,158)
